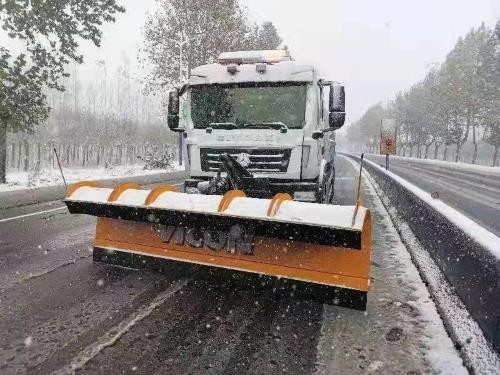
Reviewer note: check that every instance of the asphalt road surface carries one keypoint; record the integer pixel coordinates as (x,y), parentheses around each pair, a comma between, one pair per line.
(475,193)
(62,313)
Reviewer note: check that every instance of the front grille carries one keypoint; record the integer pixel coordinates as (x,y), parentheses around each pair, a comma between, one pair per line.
(261,160)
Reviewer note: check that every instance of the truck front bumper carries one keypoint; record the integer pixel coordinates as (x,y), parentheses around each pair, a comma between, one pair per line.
(267,188)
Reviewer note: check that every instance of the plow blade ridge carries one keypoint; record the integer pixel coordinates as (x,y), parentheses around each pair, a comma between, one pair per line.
(305,242)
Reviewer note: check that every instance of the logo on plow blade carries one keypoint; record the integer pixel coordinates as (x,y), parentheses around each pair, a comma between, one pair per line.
(234,240)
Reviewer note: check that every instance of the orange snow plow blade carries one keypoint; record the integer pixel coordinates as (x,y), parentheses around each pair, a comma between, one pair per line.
(314,243)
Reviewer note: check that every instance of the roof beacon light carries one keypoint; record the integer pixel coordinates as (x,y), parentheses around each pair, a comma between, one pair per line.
(254,57)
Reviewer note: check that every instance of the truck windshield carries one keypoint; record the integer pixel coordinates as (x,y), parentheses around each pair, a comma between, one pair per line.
(247,106)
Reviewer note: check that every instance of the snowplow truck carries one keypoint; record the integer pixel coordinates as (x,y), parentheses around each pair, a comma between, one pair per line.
(258,141)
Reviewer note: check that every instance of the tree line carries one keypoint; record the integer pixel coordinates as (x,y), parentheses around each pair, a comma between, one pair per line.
(118,115)
(105,121)
(453,113)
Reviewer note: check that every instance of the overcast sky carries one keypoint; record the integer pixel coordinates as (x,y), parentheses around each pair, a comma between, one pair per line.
(376,48)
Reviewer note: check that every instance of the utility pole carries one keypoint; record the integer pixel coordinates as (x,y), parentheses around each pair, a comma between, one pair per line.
(180,43)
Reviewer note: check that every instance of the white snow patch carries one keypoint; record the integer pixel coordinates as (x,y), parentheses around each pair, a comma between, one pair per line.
(321,214)
(28,341)
(18,180)
(484,237)
(91,194)
(375,366)
(133,197)
(285,71)
(248,206)
(188,202)
(301,212)
(291,211)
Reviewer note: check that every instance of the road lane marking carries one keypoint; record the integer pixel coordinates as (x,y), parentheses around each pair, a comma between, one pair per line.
(32,214)
(115,333)
(44,212)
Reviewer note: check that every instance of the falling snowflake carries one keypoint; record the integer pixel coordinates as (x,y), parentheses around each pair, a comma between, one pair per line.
(28,341)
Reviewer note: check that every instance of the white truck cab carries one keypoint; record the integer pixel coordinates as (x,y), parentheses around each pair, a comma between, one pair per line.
(269,113)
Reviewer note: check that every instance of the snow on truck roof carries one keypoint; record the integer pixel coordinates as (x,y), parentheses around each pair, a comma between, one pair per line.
(253,57)
(286,71)
(252,66)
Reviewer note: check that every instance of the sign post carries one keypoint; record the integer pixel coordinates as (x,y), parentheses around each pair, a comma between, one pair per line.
(179,142)
(388,139)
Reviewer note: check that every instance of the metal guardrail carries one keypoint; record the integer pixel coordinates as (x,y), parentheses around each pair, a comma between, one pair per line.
(472,270)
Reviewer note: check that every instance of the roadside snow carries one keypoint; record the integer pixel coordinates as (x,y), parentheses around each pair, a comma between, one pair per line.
(484,237)
(17,180)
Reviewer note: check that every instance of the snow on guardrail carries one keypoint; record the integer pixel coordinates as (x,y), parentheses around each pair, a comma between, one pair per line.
(457,166)
(482,236)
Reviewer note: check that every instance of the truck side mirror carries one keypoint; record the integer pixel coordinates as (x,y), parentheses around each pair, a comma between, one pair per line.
(336,117)
(337,98)
(173,109)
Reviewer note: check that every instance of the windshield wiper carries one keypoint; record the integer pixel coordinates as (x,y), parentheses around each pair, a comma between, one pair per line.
(223,125)
(267,125)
